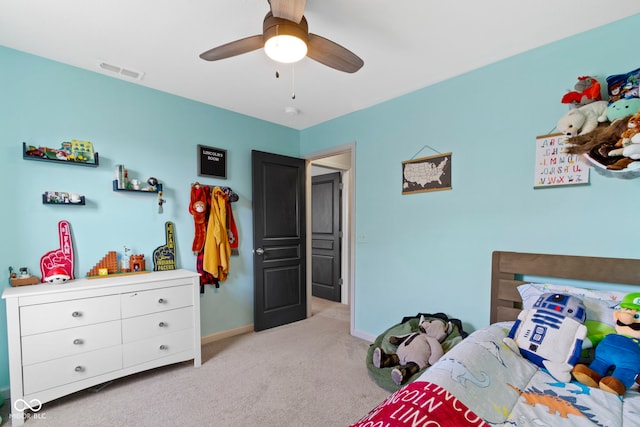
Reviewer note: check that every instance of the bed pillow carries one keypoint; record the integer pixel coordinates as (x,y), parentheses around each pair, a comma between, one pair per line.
(600,305)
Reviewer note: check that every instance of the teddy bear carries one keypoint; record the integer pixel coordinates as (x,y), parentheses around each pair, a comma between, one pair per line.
(617,357)
(415,351)
(629,145)
(550,334)
(582,120)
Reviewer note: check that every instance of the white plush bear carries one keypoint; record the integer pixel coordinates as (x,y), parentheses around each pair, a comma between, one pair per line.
(579,121)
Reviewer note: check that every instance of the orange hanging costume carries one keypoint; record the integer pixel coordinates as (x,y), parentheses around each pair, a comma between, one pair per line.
(198,208)
(216,245)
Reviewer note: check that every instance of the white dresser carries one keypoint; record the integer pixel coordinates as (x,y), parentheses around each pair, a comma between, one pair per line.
(67,337)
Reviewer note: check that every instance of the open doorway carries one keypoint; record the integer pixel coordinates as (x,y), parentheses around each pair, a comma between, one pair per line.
(338,159)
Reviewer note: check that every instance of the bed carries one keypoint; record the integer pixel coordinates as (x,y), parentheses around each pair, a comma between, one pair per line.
(482,382)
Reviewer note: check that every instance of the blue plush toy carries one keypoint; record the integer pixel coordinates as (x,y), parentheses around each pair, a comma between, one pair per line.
(551,333)
(617,357)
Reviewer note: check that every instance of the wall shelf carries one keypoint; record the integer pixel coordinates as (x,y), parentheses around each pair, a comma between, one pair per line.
(48,201)
(43,158)
(129,190)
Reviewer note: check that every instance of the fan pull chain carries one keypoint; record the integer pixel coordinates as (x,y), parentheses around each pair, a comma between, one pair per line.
(293,82)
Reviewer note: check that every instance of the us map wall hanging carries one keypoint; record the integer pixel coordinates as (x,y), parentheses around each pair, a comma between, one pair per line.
(554,166)
(431,173)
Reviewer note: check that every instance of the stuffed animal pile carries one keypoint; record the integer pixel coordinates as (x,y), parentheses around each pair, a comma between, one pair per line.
(415,351)
(604,131)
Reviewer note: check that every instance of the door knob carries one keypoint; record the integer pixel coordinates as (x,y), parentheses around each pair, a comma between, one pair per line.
(260,251)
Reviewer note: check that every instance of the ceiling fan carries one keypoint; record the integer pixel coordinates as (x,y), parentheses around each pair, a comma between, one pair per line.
(286,38)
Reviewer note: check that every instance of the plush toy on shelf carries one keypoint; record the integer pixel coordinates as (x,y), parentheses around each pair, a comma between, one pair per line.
(551,333)
(617,356)
(415,351)
(623,108)
(629,144)
(587,90)
(582,120)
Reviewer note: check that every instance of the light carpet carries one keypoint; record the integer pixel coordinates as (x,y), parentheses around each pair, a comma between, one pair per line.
(309,373)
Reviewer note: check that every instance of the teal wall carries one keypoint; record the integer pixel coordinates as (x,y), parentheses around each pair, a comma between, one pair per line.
(431,252)
(423,252)
(153,134)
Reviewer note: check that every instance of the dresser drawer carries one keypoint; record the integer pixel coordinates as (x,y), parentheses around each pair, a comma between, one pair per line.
(155,300)
(39,318)
(162,323)
(46,375)
(138,352)
(66,342)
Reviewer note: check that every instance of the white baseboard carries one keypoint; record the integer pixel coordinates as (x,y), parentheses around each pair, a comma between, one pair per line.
(363,335)
(226,334)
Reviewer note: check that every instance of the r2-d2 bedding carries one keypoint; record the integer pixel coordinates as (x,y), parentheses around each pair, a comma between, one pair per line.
(550,334)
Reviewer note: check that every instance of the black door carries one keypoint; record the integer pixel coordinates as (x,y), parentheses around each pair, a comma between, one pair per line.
(279,239)
(325,239)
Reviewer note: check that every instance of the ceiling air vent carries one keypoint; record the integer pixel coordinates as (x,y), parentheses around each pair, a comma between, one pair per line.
(121,71)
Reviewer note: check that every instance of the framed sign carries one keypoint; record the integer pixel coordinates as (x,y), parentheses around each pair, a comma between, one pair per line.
(554,166)
(427,174)
(212,162)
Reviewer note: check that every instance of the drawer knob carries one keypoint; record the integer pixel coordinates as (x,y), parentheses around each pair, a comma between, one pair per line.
(79,369)
(162,324)
(76,314)
(161,301)
(163,347)
(78,341)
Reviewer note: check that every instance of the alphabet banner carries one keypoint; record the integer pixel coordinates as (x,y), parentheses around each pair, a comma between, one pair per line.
(554,166)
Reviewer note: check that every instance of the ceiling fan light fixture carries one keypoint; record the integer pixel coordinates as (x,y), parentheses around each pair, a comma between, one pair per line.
(285,48)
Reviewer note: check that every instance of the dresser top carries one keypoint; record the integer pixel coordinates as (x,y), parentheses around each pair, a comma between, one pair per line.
(97,283)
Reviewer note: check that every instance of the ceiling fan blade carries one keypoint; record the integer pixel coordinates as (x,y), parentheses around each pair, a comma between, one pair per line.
(333,55)
(288,9)
(237,47)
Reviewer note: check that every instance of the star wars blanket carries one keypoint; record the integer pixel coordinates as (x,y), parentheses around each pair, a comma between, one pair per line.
(486,383)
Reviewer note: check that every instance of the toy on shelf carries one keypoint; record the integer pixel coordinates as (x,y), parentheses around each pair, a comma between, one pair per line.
(22,278)
(164,257)
(136,263)
(582,120)
(124,183)
(74,152)
(586,91)
(62,198)
(57,265)
(109,266)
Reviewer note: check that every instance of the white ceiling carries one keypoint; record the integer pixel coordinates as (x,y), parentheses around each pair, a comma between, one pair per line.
(405,44)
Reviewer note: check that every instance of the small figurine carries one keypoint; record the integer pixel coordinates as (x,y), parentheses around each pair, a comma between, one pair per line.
(153,182)
(160,202)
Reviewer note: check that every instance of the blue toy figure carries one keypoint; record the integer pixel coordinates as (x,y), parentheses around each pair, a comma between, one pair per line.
(550,334)
(617,359)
